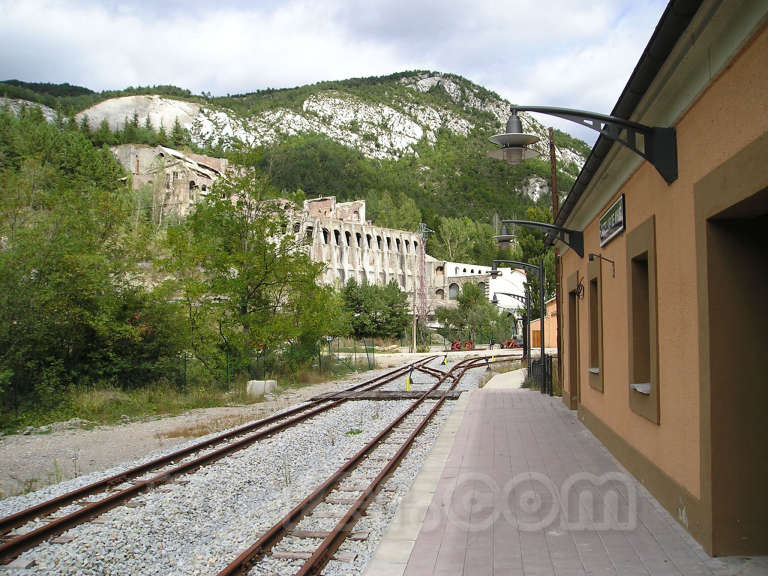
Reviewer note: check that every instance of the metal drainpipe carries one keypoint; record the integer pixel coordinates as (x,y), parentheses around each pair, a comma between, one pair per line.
(542,310)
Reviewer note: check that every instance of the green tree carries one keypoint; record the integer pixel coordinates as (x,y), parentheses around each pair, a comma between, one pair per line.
(247,286)
(179,135)
(463,240)
(529,247)
(69,309)
(474,318)
(376,310)
(104,135)
(394,210)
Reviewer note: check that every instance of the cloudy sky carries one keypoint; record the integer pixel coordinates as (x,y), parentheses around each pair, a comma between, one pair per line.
(573,53)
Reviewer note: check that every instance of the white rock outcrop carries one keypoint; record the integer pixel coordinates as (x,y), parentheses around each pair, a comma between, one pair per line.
(14,105)
(160,110)
(379,130)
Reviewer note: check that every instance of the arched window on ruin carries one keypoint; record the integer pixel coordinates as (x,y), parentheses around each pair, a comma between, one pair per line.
(368,240)
(337,237)
(359,239)
(348,237)
(308,234)
(296,227)
(471,270)
(482,286)
(407,246)
(439,271)
(456,271)
(453,291)
(464,271)
(389,243)
(378,242)
(397,244)
(415,245)
(326,235)
(204,187)
(440,294)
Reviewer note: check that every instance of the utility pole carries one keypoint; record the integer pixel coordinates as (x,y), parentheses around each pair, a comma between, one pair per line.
(422,292)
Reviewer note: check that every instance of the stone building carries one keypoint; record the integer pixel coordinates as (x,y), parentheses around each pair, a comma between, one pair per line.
(337,233)
(178,179)
(352,247)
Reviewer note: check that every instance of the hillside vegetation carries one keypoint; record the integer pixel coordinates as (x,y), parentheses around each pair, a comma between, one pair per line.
(77,245)
(416,140)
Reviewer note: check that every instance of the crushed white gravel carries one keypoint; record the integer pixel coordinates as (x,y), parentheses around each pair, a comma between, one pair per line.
(201,522)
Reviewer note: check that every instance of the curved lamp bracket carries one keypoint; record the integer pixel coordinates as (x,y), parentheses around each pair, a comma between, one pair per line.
(573,238)
(518,297)
(657,145)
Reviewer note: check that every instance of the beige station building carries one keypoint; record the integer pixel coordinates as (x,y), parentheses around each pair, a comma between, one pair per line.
(665,330)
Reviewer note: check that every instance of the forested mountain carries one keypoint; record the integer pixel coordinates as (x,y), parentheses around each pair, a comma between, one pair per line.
(78,246)
(412,144)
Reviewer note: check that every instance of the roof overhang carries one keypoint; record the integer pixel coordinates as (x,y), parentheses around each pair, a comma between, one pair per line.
(693,42)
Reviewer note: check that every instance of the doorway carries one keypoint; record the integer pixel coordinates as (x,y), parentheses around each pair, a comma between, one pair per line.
(737,262)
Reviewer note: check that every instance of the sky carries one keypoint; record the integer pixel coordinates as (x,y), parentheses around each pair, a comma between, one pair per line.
(569,53)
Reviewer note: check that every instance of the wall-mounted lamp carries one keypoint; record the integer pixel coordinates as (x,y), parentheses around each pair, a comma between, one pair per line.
(658,145)
(601,257)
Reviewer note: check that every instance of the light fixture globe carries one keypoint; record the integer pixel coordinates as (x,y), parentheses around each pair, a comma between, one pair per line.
(514,142)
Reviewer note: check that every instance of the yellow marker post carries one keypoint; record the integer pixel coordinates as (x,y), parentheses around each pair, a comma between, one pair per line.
(445,359)
(408,383)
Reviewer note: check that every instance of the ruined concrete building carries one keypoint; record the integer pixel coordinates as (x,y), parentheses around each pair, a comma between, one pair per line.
(338,235)
(177,179)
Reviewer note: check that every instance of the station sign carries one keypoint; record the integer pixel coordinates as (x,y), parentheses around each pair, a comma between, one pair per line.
(613,221)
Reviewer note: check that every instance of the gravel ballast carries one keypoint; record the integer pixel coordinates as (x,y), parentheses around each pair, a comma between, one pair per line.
(201,522)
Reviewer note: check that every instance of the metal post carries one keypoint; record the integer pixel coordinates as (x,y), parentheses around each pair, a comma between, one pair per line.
(226,355)
(527,335)
(542,312)
(555,211)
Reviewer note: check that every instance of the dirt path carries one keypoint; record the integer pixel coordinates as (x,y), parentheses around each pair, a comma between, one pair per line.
(29,462)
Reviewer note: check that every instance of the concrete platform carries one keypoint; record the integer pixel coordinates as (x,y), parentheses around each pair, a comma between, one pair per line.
(516,485)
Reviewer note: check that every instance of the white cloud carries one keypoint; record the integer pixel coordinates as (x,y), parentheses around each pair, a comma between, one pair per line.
(575,54)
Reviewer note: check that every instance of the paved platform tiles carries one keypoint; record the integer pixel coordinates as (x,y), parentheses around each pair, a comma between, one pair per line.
(516,485)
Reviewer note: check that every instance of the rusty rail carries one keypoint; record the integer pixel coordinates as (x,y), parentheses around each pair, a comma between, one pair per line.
(16,545)
(248,558)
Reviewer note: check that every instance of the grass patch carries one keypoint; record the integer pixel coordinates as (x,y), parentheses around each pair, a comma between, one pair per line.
(498,368)
(353,432)
(203,428)
(109,405)
(332,370)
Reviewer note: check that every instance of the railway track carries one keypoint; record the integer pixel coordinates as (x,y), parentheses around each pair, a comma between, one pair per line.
(406,426)
(92,500)
(120,488)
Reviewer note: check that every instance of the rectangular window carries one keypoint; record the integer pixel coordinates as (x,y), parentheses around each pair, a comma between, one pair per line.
(641,312)
(595,324)
(643,321)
